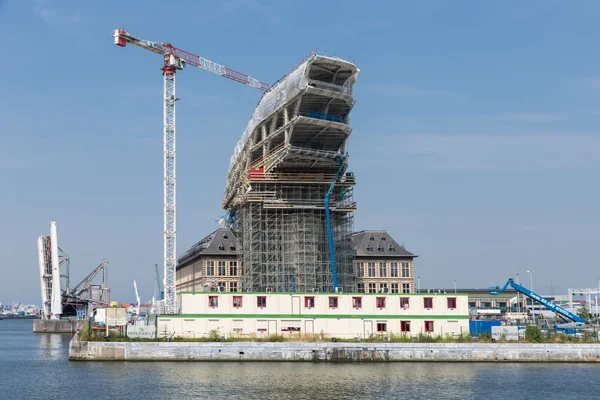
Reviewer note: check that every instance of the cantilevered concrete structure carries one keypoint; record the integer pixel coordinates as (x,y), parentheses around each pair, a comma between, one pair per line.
(288,172)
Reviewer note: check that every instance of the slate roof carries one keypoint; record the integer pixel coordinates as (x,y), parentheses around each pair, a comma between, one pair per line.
(221,242)
(376,244)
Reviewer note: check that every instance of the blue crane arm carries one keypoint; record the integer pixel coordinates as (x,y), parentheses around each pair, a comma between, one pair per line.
(329,231)
(532,295)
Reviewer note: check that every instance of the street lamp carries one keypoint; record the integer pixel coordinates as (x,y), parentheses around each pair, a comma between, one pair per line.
(518,297)
(530,272)
(455,286)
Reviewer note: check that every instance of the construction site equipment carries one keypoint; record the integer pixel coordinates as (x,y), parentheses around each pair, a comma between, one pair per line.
(58,298)
(176,59)
(576,321)
(288,196)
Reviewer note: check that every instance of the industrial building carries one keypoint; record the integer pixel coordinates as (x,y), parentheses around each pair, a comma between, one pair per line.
(358,315)
(288,192)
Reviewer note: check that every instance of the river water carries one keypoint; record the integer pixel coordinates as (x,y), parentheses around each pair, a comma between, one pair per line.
(36,367)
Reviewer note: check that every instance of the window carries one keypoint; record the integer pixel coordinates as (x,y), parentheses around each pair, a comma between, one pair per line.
(237,301)
(404,326)
(472,304)
(333,302)
(361,269)
(371,267)
(360,287)
(221,286)
(372,288)
(210,268)
(382,269)
(382,327)
(404,302)
(380,302)
(261,301)
(233,286)
(383,288)
(428,326)
(451,302)
(221,268)
(357,302)
(221,247)
(394,288)
(394,270)
(405,270)
(406,288)
(309,302)
(213,301)
(428,302)
(233,268)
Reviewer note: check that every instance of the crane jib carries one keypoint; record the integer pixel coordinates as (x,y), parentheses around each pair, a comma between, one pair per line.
(198,61)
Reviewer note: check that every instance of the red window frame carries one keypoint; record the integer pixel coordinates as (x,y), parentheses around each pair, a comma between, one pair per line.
(333,302)
(404,302)
(428,302)
(428,326)
(357,302)
(381,325)
(239,299)
(261,301)
(404,326)
(380,301)
(309,301)
(213,301)
(451,301)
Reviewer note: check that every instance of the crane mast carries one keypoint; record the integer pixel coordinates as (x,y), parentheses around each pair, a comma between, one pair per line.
(176,59)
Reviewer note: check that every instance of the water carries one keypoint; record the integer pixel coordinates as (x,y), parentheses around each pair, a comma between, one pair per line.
(36,367)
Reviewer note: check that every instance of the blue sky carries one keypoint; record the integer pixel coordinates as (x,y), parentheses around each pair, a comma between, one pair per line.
(475,138)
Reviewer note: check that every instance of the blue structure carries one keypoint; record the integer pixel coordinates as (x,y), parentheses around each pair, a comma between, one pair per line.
(482,327)
(546,303)
(329,232)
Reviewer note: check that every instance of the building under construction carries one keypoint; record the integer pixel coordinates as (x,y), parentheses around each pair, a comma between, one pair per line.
(288,193)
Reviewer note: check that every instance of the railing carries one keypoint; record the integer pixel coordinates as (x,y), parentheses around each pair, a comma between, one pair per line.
(330,86)
(326,117)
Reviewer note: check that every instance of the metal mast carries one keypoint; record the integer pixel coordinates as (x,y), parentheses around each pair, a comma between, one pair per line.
(170,235)
(175,59)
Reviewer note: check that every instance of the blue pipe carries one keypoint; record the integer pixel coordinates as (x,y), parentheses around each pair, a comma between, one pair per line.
(329,232)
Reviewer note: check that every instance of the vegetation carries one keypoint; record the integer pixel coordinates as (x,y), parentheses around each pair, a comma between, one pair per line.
(584,313)
(533,334)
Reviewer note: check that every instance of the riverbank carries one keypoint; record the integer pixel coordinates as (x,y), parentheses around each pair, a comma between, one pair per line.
(332,352)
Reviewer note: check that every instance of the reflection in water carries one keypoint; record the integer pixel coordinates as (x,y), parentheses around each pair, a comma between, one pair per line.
(51,345)
(36,367)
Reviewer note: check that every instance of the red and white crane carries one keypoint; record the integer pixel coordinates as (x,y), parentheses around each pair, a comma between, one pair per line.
(176,59)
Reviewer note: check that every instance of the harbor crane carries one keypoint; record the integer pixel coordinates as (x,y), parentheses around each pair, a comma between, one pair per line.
(176,59)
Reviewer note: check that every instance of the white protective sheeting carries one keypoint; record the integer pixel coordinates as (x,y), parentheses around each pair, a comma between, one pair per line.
(285,90)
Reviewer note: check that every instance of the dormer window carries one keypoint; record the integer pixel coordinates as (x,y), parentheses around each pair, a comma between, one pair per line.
(380,247)
(383,238)
(371,237)
(232,246)
(392,248)
(225,236)
(369,247)
(221,246)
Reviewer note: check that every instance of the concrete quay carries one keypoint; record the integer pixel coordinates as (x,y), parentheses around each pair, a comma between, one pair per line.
(332,352)
(55,326)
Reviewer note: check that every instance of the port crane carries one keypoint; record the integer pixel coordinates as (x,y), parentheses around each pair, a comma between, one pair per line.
(175,59)
(569,327)
(138,303)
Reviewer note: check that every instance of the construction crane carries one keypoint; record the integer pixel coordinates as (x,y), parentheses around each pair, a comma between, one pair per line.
(138,303)
(176,59)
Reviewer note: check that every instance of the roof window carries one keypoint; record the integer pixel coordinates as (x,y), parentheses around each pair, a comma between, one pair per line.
(221,247)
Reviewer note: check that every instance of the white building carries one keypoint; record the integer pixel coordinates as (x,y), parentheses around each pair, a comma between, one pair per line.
(335,315)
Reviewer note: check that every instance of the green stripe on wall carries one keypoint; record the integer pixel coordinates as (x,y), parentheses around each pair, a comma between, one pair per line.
(348,294)
(316,316)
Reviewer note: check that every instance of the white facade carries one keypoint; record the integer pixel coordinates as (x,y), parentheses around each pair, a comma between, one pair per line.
(336,315)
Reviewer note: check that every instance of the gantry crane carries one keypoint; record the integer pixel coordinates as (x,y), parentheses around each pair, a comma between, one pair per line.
(176,59)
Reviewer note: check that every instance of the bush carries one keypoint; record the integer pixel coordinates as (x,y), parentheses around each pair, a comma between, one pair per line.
(533,334)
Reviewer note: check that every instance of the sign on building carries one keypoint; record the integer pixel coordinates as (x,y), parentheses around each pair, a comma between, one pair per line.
(505,332)
(116,316)
(141,331)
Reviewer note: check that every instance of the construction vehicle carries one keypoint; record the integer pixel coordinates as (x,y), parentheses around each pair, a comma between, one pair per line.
(570,327)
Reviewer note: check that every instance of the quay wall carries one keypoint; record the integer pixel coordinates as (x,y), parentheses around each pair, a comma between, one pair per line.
(331,352)
(55,325)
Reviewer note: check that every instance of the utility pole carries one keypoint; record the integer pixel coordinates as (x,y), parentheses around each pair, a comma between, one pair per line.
(530,272)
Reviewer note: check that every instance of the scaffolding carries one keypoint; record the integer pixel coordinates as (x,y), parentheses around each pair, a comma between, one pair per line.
(279,176)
